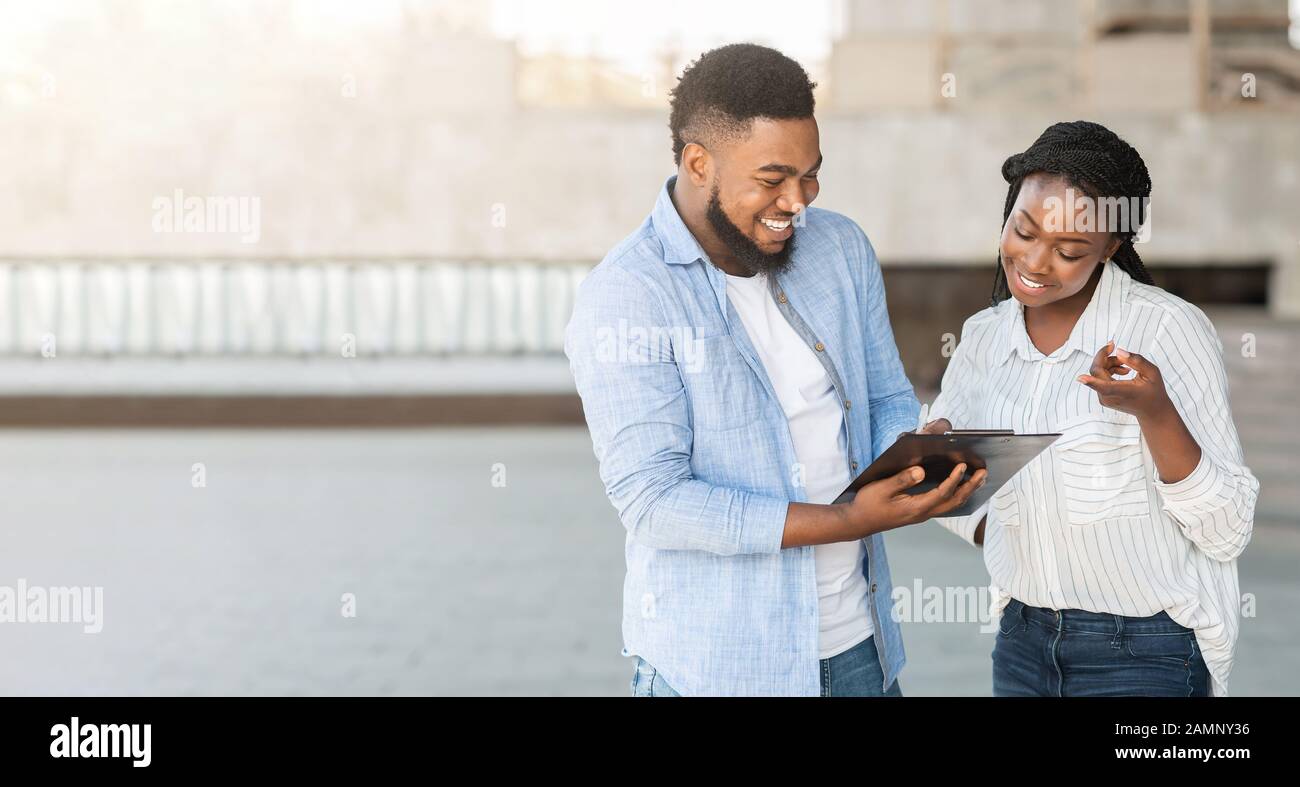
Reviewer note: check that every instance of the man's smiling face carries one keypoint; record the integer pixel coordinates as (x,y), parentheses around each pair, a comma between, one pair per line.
(760,182)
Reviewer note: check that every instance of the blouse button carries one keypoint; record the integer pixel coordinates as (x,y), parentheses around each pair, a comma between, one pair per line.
(819,346)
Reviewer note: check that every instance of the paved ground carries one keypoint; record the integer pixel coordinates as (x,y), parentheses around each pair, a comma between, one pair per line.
(461,587)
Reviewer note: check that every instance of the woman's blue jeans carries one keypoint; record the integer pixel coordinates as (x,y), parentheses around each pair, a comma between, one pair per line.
(1072,653)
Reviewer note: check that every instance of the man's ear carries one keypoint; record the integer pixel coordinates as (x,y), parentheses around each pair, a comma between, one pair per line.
(697,164)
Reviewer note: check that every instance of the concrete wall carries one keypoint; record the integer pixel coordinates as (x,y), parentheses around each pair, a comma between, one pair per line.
(410,142)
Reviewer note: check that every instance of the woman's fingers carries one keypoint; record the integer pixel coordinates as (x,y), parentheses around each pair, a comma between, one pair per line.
(1107,387)
(1101,361)
(1143,367)
(1105,365)
(937,426)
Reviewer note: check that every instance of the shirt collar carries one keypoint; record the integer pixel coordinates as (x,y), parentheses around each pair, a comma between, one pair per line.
(680,246)
(1095,326)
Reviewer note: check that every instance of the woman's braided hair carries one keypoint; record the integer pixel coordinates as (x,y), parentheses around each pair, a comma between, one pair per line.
(1095,160)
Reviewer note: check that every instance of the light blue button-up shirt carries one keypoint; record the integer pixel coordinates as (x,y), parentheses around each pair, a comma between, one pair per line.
(696,454)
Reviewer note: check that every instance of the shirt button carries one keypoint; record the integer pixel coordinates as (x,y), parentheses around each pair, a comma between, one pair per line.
(848,405)
(819,346)
(780,296)
(873,587)
(855,465)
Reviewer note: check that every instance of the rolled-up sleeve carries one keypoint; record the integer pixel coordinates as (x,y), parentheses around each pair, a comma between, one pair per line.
(965,526)
(638,413)
(1214,506)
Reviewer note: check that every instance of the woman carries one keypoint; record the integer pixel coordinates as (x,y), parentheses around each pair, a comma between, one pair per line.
(1113,555)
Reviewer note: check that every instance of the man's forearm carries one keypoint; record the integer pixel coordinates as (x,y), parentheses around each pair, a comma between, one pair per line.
(809,524)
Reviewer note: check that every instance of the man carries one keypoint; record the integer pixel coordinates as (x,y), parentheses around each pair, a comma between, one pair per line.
(737,370)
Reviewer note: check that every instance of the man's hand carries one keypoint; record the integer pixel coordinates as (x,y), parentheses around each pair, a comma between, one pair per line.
(885,504)
(881,505)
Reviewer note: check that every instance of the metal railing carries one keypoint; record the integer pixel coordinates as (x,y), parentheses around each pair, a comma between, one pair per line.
(294,308)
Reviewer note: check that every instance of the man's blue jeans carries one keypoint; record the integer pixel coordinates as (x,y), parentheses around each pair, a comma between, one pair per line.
(1072,653)
(854,673)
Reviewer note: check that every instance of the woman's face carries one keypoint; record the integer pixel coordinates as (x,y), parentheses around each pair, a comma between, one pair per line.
(1044,257)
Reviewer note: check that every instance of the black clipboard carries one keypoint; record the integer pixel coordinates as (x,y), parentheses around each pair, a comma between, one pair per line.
(1002,452)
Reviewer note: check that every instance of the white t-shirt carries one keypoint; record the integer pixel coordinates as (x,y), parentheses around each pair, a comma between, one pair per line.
(812,409)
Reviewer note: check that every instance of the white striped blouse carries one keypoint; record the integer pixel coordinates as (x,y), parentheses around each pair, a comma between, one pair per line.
(1088,524)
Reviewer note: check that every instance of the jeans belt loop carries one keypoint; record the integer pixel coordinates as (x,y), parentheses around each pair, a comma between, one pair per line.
(1119,633)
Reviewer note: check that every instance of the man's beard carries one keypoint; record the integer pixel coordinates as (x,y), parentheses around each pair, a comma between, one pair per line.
(739,244)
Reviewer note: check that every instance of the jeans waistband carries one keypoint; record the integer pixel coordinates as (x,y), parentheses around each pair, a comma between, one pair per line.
(1096,622)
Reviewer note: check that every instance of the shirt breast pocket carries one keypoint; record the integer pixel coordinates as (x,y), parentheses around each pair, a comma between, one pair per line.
(724,393)
(1100,468)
